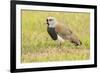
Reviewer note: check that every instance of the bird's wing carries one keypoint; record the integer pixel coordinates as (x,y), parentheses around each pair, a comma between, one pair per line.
(63,31)
(67,34)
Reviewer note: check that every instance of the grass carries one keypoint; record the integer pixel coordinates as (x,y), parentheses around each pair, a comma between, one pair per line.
(37,46)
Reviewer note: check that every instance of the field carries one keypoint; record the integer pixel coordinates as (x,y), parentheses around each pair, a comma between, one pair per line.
(37,45)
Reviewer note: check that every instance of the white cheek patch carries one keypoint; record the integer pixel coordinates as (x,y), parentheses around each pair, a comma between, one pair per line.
(51,25)
(60,39)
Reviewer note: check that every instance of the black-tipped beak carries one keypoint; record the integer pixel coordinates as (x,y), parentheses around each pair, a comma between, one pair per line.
(47,22)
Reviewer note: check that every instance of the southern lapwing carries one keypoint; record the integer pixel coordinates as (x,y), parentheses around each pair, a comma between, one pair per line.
(58,31)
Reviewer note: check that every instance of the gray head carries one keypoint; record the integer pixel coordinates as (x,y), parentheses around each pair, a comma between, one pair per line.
(51,21)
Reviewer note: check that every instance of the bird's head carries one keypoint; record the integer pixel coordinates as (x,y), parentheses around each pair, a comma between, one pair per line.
(51,21)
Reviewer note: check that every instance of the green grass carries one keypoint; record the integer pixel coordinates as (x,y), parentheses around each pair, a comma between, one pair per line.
(37,46)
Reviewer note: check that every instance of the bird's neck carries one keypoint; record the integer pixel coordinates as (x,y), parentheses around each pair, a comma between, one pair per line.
(52,25)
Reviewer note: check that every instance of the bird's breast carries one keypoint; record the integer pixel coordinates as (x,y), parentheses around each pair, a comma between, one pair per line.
(52,33)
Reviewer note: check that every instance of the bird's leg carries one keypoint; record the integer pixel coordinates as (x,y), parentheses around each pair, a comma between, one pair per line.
(59,44)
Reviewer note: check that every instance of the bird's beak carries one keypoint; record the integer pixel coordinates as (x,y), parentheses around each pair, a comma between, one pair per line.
(47,23)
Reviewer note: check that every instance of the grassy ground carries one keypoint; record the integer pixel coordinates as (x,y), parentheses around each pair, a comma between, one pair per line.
(37,46)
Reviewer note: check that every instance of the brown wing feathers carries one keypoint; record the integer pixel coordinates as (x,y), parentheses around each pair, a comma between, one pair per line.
(67,34)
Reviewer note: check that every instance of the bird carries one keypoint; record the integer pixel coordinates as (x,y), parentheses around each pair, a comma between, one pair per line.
(61,33)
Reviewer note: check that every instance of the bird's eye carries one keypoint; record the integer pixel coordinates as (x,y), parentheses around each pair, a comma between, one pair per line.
(50,19)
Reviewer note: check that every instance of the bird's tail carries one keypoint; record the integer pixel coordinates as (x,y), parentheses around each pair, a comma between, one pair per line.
(76,41)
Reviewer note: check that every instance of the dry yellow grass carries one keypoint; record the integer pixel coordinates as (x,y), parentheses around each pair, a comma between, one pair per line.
(56,54)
